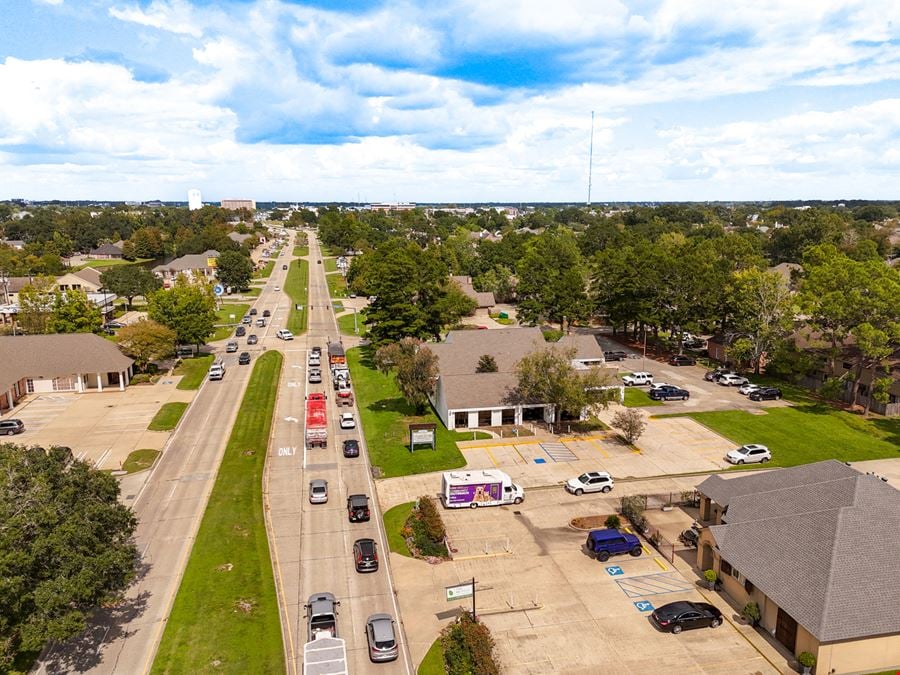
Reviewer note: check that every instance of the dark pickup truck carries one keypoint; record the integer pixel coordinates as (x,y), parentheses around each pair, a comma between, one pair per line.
(358,508)
(669,393)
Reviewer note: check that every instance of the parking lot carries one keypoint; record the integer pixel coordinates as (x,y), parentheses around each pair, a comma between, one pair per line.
(553,609)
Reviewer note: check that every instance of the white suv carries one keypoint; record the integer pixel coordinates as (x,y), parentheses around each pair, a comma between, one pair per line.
(592,481)
(749,454)
(216,371)
(731,380)
(637,379)
(347,421)
(284,334)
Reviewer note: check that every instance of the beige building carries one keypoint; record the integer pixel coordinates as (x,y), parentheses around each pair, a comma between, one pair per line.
(200,266)
(817,547)
(79,362)
(238,204)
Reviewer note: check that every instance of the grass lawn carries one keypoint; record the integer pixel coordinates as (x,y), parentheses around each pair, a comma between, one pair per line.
(386,416)
(226,608)
(345,324)
(433,663)
(194,370)
(330,264)
(253,292)
(138,460)
(297,287)
(265,271)
(224,323)
(638,398)
(115,262)
(301,251)
(337,285)
(394,520)
(167,417)
(808,433)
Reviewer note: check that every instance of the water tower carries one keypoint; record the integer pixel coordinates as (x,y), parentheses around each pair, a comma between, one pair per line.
(194,201)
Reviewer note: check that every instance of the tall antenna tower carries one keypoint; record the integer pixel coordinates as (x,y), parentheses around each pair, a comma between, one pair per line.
(591,160)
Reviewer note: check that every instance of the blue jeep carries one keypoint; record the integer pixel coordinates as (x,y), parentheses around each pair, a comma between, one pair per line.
(604,543)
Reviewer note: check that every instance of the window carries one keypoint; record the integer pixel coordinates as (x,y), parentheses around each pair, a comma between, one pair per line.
(748,586)
(460,420)
(29,386)
(725,567)
(484,418)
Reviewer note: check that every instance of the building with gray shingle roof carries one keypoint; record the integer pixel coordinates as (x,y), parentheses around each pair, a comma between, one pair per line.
(195,264)
(817,548)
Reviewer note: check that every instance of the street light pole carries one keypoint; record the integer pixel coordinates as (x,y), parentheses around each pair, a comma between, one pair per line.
(644,358)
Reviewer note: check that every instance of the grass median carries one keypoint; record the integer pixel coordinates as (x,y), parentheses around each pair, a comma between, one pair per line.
(337,285)
(167,416)
(193,371)
(265,271)
(225,617)
(433,663)
(227,318)
(301,251)
(394,520)
(297,287)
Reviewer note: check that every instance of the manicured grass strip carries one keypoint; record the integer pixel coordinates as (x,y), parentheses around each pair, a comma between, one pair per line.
(297,287)
(225,324)
(345,324)
(433,663)
(265,271)
(115,262)
(194,371)
(167,417)
(253,292)
(337,285)
(386,418)
(301,251)
(226,611)
(138,460)
(394,520)
(808,433)
(638,398)
(330,264)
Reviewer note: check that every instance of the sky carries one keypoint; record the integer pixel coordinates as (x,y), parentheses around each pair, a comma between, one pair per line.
(450,100)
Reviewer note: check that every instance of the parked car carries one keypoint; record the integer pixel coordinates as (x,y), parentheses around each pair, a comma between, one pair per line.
(318,491)
(315,376)
(605,543)
(252,340)
(284,334)
(592,481)
(615,355)
(267,313)
(240,331)
(253,311)
(231,347)
(765,394)
(115,324)
(682,360)
(347,421)
(11,427)
(351,448)
(365,555)
(669,393)
(358,508)
(690,537)
(696,343)
(713,375)
(746,389)
(636,379)
(244,359)
(731,380)
(684,615)
(382,638)
(749,454)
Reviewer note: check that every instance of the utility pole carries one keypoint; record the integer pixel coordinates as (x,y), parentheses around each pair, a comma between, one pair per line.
(591,160)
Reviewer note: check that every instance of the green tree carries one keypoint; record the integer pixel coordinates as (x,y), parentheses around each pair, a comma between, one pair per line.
(188,308)
(631,423)
(552,280)
(73,312)
(36,303)
(146,341)
(415,368)
(65,546)
(547,376)
(486,364)
(234,269)
(130,281)
(763,312)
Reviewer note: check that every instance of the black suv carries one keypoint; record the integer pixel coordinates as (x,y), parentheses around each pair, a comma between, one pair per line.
(244,359)
(267,312)
(669,392)
(365,555)
(358,508)
(616,355)
(765,394)
(682,360)
(11,427)
(253,311)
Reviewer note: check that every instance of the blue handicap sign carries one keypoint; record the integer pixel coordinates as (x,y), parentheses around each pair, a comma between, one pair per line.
(614,571)
(218,289)
(644,606)
(540,460)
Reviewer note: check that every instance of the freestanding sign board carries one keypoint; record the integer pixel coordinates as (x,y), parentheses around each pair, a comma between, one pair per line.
(422,434)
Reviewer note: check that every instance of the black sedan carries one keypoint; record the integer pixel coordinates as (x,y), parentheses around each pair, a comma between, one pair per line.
(681,360)
(678,616)
(244,359)
(351,448)
(669,392)
(765,394)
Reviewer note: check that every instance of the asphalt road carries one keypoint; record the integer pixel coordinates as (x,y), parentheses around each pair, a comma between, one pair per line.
(169,507)
(312,543)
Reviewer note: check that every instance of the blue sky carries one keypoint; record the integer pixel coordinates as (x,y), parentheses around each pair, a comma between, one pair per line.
(457,100)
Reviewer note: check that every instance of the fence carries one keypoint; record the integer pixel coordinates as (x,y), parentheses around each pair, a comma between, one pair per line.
(632,507)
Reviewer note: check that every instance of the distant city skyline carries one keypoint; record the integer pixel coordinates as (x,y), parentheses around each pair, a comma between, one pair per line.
(459,101)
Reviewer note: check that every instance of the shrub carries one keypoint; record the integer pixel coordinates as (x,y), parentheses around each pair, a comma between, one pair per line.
(631,422)
(751,612)
(806,659)
(633,508)
(431,517)
(468,648)
(711,576)
(613,522)
(426,530)
(552,335)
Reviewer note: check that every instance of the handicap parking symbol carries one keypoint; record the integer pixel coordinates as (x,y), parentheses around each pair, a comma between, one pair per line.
(615,571)
(644,606)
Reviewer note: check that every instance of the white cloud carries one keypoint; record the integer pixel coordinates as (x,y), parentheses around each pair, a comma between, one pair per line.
(175,16)
(53,3)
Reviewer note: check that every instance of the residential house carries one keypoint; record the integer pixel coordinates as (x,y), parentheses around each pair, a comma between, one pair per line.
(485,300)
(196,266)
(465,399)
(87,280)
(107,252)
(816,548)
(80,362)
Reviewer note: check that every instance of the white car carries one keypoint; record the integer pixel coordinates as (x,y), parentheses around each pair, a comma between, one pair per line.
(732,380)
(284,334)
(592,481)
(347,421)
(660,385)
(745,389)
(749,454)
(278,288)
(637,379)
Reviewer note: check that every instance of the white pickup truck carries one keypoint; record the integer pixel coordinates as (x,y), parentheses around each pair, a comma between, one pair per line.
(638,378)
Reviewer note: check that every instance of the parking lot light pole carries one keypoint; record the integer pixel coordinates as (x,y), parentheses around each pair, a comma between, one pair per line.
(644,358)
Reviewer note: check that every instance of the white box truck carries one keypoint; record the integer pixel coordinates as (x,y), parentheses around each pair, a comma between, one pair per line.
(488,487)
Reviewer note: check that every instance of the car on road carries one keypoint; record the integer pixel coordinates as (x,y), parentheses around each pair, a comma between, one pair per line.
(749,454)
(284,334)
(347,421)
(315,376)
(317,350)
(365,555)
(253,311)
(231,347)
(284,267)
(217,371)
(244,359)
(11,427)
(240,331)
(746,389)
(685,615)
(731,380)
(382,638)
(765,394)
(313,359)
(669,393)
(353,296)
(321,615)
(351,447)
(637,379)
(318,491)
(592,481)
(358,508)
(682,360)
(615,355)
(246,320)
(261,322)
(267,313)
(278,288)
(252,340)
(607,542)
